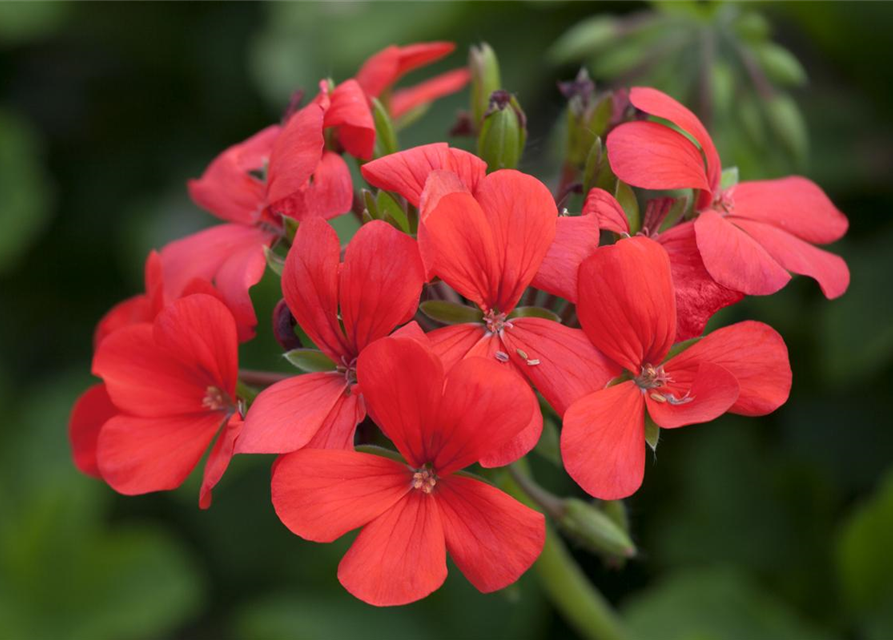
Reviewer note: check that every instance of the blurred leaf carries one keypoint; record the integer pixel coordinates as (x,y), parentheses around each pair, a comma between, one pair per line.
(780,64)
(28,21)
(788,124)
(25,191)
(585,38)
(713,604)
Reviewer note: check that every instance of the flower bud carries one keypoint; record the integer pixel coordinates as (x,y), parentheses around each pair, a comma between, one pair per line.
(503,132)
(595,530)
(484,80)
(385,136)
(284,327)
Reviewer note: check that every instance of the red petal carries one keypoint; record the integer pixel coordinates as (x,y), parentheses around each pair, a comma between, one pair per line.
(485,405)
(349,111)
(288,414)
(139,455)
(405,100)
(465,249)
(603,441)
(657,103)
(402,383)
(296,153)
(390,64)
(706,392)
(92,409)
(734,259)
(523,216)
(698,295)
(752,352)
(310,286)
(455,342)
(521,444)
(653,156)
(235,277)
(794,254)
(127,312)
(607,210)
(492,538)
(626,304)
(569,366)
(330,193)
(439,183)
(795,204)
(576,239)
(144,380)
(200,332)
(399,557)
(322,494)
(219,459)
(381,281)
(340,426)
(227,189)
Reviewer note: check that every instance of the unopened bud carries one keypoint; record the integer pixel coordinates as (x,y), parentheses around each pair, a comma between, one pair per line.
(385,136)
(284,327)
(595,530)
(503,132)
(484,80)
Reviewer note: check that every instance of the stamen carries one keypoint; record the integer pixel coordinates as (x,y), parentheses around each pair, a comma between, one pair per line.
(533,362)
(215,399)
(424,479)
(496,322)
(523,354)
(502,356)
(657,397)
(651,377)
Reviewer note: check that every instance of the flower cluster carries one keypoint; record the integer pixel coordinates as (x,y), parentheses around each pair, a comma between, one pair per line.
(465,296)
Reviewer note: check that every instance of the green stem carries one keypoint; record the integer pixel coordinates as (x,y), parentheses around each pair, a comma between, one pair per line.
(579,602)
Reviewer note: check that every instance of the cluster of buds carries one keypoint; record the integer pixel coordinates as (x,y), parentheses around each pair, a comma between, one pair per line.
(464,307)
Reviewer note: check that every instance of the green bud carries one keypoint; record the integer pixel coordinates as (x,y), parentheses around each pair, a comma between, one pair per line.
(484,79)
(503,132)
(310,360)
(592,528)
(450,312)
(385,137)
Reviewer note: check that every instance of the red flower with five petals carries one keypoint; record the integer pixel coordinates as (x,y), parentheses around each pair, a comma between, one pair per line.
(412,513)
(749,235)
(627,309)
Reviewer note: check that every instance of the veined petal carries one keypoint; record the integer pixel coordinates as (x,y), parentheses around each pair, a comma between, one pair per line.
(653,156)
(390,64)
(287,415)
(576,239)
(402,383)
(794,204)
(321,494)
(603,441)
(140,455)
(328,195)
(626,303)
(349,112)
(399,557)
(340,426)
(235,277)
(381,282)
(736,260)
(607,210)
(566,364)
(455,342)
(133,310)
(295,154)
(492,537)
(755,354)
(694,396)
(310,286)
(800,257)
(405,100)
(90,412)
(219,458)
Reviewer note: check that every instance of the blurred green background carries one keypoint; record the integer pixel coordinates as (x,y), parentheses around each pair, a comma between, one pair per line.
(749,529)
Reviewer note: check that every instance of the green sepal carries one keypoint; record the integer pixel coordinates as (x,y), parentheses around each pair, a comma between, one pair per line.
(450,312)
(534,312)
(627,199)
(593,164)
(274,261)
(291,227)
(728,178)
(380,451)
(385,135)
(310,360)
(652,432)
(679,347)
(391,212)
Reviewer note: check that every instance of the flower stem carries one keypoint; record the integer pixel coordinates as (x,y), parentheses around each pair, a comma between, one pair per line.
(260,378)
(579,602)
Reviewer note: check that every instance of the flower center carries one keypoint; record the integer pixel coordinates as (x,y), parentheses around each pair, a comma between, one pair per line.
(724,202)
(424,479)
(496,322)
(651,377)
(348,368)
(215,399)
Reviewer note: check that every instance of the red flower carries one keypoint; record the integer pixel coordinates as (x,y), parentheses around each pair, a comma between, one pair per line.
(411,514)
(749,235)
(627,309)
(698,295)
(139,308)
(381,71)
(172,384)
(301,181)
(376,289)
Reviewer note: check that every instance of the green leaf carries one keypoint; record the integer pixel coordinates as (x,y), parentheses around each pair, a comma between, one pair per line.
(788,125)
(310,360)
(627,199)
(274,261)
(780,64)
(450,312)
(385,136)
(549,445)
(371,204)
(534,312)
(291,227)
(392,212)
(584,39)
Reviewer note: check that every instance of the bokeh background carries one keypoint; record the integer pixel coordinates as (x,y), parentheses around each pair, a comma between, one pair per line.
(772,528)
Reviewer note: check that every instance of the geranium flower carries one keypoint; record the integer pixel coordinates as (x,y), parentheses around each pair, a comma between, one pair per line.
(749,235)
(376,289)
(698,295)
(172,384)
(412,513)
(279,171)
(380,72)
(627,309)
